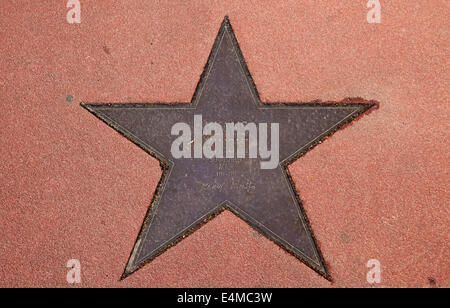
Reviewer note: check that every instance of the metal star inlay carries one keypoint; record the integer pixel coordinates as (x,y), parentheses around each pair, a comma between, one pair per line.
(226,150)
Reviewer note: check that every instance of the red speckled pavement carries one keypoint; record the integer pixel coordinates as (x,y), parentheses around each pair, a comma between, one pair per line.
(73,188)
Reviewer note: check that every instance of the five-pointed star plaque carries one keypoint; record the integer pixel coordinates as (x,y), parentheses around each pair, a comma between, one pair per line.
(196,187)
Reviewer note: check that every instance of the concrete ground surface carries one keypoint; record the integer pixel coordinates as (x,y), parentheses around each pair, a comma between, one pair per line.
(73,188)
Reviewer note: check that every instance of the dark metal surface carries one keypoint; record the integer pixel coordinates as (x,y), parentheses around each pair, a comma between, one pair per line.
(194,190)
